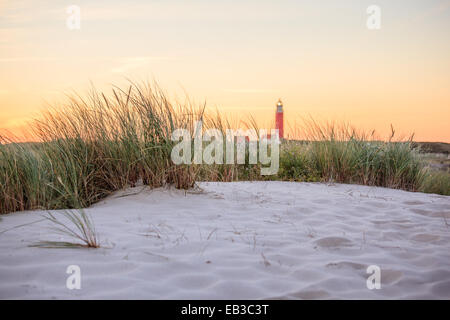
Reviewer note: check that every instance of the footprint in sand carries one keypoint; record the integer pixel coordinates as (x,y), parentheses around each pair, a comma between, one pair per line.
(429,213)
(333,242)
(413,203)
(309,295)
(390,276)
(441,289)
(347,264)
(424,237)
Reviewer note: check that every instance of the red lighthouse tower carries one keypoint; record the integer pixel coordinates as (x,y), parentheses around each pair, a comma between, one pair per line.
(279,119)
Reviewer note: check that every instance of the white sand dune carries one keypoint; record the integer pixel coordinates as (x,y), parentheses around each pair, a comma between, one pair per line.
(246,240)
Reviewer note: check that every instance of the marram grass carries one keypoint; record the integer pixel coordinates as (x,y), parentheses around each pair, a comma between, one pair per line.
(98,143)
(77,225)
(92,146)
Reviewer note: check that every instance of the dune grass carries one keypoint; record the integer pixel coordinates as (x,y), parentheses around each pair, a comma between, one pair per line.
(97,144)
(74,224)
(342,154)
(93,146)
(436,182)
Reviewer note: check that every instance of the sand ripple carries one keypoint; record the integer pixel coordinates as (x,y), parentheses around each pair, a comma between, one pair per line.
(247,240)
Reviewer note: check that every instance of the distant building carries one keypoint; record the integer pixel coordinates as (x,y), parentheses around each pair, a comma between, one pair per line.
(279,119)
(279,123)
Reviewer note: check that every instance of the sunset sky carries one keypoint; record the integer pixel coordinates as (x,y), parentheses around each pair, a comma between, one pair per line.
(319,57)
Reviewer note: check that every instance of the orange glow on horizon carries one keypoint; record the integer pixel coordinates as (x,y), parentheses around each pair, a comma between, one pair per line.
(319,58)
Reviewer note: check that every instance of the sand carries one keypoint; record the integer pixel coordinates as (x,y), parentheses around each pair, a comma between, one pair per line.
(246,240)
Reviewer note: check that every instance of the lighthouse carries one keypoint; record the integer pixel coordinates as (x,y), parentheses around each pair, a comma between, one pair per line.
(279,119)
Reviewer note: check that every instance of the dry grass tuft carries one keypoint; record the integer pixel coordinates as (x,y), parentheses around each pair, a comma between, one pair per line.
(77,225)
